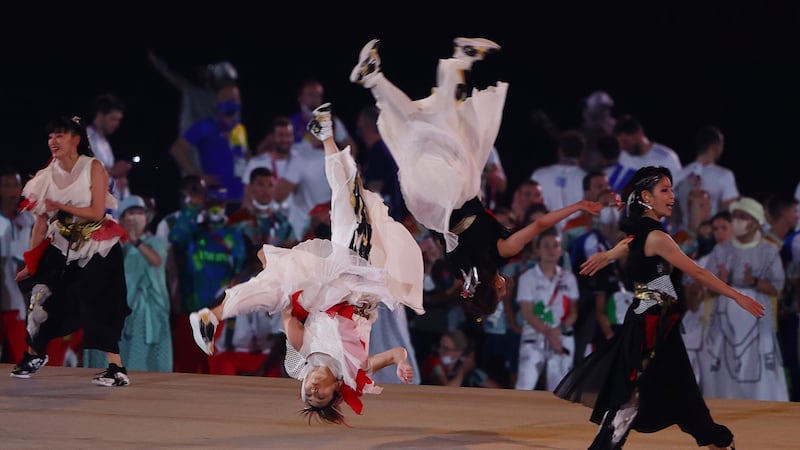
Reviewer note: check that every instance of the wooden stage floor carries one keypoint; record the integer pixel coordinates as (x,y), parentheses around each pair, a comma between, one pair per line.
(60,408)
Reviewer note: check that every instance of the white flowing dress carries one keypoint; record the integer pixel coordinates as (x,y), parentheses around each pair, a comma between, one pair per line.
(441,144)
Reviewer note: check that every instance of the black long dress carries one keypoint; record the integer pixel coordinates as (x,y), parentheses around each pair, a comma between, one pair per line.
(645,365)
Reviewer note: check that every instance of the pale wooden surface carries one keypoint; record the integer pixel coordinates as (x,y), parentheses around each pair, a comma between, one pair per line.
(60,408)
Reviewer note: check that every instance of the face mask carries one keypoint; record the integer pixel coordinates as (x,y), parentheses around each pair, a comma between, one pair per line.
(609,215)
(448,360)
(739,227)
(137,222)
(261,206)
(216,214)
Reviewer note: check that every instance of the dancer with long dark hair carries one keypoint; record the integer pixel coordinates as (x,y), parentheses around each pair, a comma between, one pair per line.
(641,379)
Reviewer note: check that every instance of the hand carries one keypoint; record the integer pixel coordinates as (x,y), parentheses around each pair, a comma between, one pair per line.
(210,180)
(120,169)
(468,362)
(405,372)
(590,207)
(22,274)
(601,259)
(52,205)
(750,305)
(554,339)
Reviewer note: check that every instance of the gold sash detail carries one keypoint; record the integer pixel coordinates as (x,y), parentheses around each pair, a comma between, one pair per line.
(78,232)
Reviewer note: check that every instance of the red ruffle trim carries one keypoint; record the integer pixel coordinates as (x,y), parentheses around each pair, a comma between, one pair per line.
(34,255)
(110,230)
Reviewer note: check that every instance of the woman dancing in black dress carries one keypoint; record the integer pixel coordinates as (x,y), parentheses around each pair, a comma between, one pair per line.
(641,379)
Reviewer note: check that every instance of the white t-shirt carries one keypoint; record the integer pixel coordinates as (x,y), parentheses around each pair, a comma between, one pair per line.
(306,170)
(627,164)
(717,180)
(562,185)
(534,288)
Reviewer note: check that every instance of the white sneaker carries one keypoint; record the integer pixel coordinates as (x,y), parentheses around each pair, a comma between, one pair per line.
(321,125)
(622,423)
(474,49)
(204,326)
(369,64)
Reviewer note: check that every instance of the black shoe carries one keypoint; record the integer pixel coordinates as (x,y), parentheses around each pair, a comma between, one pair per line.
(28,366)
(113,376)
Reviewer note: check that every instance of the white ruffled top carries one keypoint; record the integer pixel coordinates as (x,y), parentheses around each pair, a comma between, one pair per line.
(70,188)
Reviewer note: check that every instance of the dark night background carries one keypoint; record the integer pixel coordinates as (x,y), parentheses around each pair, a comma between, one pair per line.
(675,66)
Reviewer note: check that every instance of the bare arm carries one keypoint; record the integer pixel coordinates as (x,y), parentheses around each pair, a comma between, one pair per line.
(161,67)
(396,355)
(387,358)
(661,244)
(600,314)
(181,152)
(601,259)
(39,230)
(38,233)
(97,208)
(294,329)
(152,256)
(572,315)
(516,242)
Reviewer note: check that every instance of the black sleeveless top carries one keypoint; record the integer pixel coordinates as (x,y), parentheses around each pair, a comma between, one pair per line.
(640,268)
(477,245)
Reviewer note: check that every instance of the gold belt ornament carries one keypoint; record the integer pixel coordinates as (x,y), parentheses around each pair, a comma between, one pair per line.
(462,225)
(648,297)
(79,232)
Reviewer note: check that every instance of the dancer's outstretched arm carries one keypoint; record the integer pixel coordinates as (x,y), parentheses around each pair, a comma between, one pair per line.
(396,355)
(516,242)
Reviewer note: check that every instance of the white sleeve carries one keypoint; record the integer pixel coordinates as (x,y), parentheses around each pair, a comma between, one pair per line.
(525,287)
(729,188)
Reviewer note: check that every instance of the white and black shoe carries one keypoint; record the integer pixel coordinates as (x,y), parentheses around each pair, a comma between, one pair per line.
(321,125)
(204,326)
(474,49)
(29,365)
(112,377)
(369,64)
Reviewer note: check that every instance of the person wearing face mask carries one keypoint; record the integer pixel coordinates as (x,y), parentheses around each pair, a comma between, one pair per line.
(146,342)
(215,251)
(743,359)
(453,364)
(604,298)
(261,221)
(221,144)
